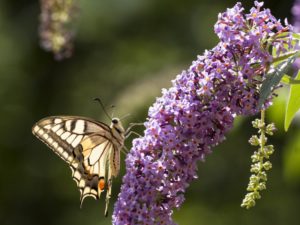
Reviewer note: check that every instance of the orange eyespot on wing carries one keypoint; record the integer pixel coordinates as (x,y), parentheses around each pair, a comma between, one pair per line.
(101,184)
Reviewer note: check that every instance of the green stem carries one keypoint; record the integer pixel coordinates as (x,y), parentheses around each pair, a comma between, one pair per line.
(285,56)
(262,141)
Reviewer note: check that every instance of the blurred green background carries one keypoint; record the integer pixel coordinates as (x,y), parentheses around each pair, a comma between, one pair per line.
(125,52)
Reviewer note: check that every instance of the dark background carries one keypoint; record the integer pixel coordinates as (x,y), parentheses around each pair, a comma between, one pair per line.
(125,52)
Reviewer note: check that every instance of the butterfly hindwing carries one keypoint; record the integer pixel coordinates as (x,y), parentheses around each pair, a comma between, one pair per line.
(87,147)
(96,150)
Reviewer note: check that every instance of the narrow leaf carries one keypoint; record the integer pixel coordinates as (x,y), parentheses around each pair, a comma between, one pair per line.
(293,104)
(296,36)
(284,56)
(272,79)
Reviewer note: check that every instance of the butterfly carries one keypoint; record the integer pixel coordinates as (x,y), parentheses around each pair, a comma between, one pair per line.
(91,148)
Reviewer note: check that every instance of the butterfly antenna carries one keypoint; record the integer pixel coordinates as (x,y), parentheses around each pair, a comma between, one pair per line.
(100,102)
(125,116)
(113,110)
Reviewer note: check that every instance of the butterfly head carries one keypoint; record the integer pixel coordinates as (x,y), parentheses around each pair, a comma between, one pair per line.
(117,125)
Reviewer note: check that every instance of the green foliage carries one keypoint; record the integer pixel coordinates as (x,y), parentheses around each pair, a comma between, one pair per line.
(274,76)
(276,112)
(286,79)
(293,104)
(278,73)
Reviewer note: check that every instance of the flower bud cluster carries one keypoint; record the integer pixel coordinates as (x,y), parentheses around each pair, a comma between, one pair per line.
(55,32)
(260,162)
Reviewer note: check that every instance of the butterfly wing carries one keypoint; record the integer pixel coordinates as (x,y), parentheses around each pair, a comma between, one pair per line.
(96,150)
(86,145)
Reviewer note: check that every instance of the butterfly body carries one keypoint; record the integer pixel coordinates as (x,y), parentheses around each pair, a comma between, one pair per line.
(91,148)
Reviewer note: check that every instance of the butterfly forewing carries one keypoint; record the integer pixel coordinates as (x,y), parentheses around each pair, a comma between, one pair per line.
(88,146)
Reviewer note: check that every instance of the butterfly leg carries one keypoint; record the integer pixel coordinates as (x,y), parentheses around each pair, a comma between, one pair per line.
(131,125)
(130,133)
(125,150)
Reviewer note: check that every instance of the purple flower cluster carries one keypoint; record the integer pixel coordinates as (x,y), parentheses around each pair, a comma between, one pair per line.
(296,16)
(194,115)
(55,33)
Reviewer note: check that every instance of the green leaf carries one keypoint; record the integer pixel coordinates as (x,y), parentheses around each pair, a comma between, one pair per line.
(293,104)
(286,79)
(296,36)
(279,59)
(273,78)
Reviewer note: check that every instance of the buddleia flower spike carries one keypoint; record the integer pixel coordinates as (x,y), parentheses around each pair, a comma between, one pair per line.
(56,33)
(195,113)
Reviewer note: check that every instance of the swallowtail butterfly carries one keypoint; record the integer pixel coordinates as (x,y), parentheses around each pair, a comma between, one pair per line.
(91,148)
